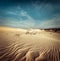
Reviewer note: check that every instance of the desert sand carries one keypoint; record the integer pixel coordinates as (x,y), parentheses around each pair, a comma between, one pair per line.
(29,45)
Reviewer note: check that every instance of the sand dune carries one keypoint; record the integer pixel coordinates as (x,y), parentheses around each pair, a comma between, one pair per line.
(29,45)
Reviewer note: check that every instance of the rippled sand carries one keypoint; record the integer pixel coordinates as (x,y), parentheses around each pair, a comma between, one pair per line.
(23,45)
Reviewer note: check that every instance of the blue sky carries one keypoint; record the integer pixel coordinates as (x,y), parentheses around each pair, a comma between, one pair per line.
(30,14)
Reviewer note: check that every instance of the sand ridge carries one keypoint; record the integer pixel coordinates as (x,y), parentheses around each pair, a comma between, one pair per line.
(29,45)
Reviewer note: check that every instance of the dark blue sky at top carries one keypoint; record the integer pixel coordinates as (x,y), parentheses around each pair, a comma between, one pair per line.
(30,13)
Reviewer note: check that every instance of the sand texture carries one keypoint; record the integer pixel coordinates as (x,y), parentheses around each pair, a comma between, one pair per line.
(29,45)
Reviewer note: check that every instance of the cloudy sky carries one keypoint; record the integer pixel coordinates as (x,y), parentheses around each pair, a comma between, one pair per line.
(30,13)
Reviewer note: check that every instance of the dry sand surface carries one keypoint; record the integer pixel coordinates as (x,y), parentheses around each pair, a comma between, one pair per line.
(29,45)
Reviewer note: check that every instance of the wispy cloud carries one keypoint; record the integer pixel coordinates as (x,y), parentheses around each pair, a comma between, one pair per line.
(39,6)
(52,23)
(29,22)
(38,16)
(11,12)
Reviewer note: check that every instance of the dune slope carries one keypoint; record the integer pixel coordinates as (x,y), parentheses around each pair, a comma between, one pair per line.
(24,45)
